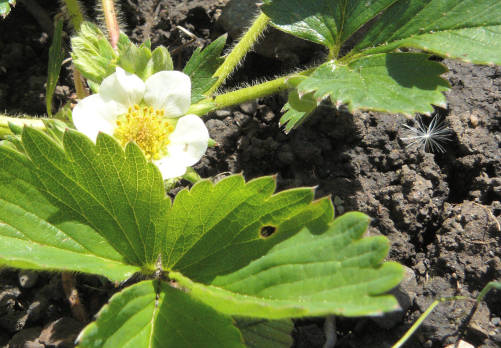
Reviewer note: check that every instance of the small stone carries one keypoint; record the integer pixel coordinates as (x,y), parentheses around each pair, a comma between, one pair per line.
(461,344)
(8,297)
(249,108)
(496,338)
(35,309)
(222,113)
(27,279)
(480,321)
(269,116)
(241,119)
(474,120)
(421,268)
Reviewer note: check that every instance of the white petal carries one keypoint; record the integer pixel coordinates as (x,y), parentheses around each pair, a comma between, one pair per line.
(170,167)
(93,115)
(189,140)
(169,90)
(188,144)
(122,87)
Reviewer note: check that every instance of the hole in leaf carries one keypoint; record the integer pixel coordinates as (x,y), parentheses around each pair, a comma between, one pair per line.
(267,231)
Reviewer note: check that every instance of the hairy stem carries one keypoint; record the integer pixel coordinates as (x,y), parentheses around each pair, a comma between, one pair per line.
(110,18)
(76,19)
(75,12)
(242,95)
(239,51)
(239,96)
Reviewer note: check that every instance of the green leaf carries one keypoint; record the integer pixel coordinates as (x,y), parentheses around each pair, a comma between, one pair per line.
(297,109)
(5,7)
(202,65)
(56,56)
(261,333)
(325,22)
(291,118)
(153,314)
(465,29)
(118,193)
(310,274)
(38,233)
(92,53)
(393,82)
(216,229)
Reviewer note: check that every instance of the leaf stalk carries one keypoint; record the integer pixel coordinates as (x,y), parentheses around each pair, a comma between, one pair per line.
(239,96)
(239,51)
(110,18)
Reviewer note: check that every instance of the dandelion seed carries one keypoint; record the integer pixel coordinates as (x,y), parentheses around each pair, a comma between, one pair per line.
(431,138)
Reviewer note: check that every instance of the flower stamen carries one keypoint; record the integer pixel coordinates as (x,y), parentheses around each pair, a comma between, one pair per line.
(148,128)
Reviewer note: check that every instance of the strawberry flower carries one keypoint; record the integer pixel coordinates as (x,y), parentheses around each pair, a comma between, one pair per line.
(149,113)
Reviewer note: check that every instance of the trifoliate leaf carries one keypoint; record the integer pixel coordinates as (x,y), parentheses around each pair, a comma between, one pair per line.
(262,333)
(202,65)
(326,22)
(313,273)
(152,314)
(394,82)
(469,30)
(5,7)
(216,229)
(37,230)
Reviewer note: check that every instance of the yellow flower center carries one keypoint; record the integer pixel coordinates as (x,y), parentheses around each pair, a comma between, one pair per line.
(148,128)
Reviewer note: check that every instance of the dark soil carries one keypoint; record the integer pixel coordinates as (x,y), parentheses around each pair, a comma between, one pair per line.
(441,212)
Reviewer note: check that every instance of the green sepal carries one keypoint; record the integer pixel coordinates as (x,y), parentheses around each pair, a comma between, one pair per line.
(202,66)
(160,61)
(135,60)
